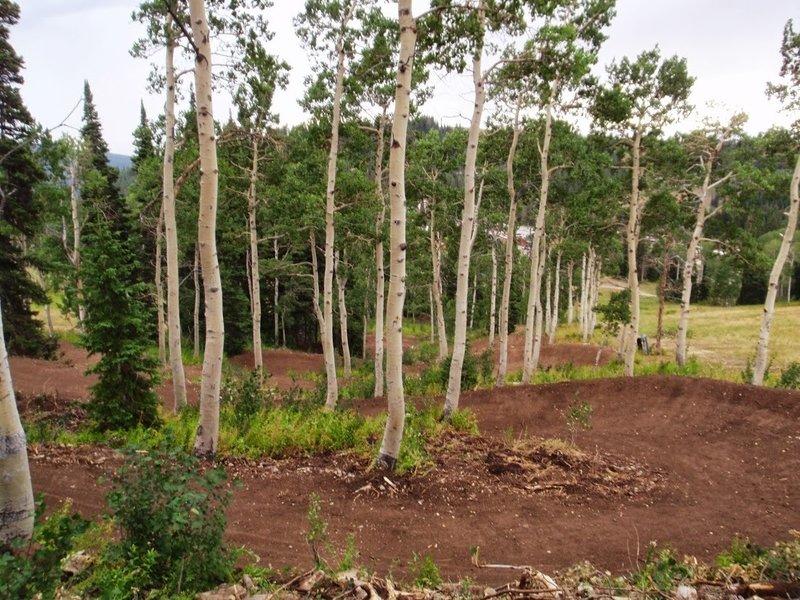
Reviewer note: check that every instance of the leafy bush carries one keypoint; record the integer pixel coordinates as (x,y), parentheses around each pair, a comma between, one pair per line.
(661,570)
(579,416)
(246,397)
(617,312)
(32,567)
(425,571)
(165,504)
(790,376)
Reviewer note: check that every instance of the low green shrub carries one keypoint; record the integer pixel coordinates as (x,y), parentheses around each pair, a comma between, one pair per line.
(424,571)
(790,376)
(33,567)
(166,504)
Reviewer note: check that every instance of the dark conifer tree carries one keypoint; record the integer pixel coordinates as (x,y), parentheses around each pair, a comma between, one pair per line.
(20,214)
(143,143)
(119,318)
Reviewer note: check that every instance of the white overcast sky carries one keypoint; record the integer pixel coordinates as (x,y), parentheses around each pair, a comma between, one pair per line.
(732,48)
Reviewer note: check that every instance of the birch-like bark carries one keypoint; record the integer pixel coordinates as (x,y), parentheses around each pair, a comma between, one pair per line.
(206,439)
(570,293)
(16,491)
(493,300)
(312,239)
(468,218)
(662,294)
(380,275)
(276,294)
(632,239)
(328,350)
(556,301)
(395,419)
(341,282)
(436,258)
(431,318)
(255,278)
(474,299)
(703,207)
(511,240)
(584,301)
(539,317)
(548,305)
(538,235)
(159,281)
(77,228)
(196,311)
(594,299)
(171,233)
(760,367)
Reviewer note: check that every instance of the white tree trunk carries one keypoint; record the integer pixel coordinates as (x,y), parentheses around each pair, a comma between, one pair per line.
(570,293)
(171,235)
(468,218)
(16,491)
(206,439)
(436,258)
(528,365)
(548,294)
(511,240)
(328,350)
(597,270)
(159,281)
(77,228)
(760,367)
(704,205)
(341,282)
(556,301)
(380,275)
(432,317)
(276,296)
(196,311)
(255,278)
(584,301)
(395,420)
(474,299)
(493,301)
(540,317)
(632,239)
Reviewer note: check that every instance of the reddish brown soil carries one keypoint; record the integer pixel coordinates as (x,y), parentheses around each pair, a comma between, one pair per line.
(689,462)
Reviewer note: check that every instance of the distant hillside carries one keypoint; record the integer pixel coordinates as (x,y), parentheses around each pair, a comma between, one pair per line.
(119,161)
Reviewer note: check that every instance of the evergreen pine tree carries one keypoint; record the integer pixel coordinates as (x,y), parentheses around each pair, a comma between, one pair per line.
(20,214)
(119,317)
(143,143)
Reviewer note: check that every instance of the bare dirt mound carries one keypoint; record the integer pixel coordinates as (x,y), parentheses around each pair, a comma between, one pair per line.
(552,355)
(286,368)
(690,462)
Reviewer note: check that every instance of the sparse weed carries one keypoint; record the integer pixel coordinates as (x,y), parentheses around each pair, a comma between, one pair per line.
(424,571)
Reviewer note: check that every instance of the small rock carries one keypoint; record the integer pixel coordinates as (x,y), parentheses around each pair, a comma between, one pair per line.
(686,592)
(76,563)
(489,592)
(585,589)
(248,583)
(224,592)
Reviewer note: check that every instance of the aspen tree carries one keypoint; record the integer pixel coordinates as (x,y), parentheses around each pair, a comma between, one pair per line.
(788,92)
(642,96)
(708,144)
(328,25)
(395,421)
(206,437)
(16,491)
(467,223)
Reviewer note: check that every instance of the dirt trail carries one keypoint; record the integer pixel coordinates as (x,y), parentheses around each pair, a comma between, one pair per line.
(689,462)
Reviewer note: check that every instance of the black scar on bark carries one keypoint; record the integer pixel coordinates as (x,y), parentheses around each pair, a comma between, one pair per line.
(386,463)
